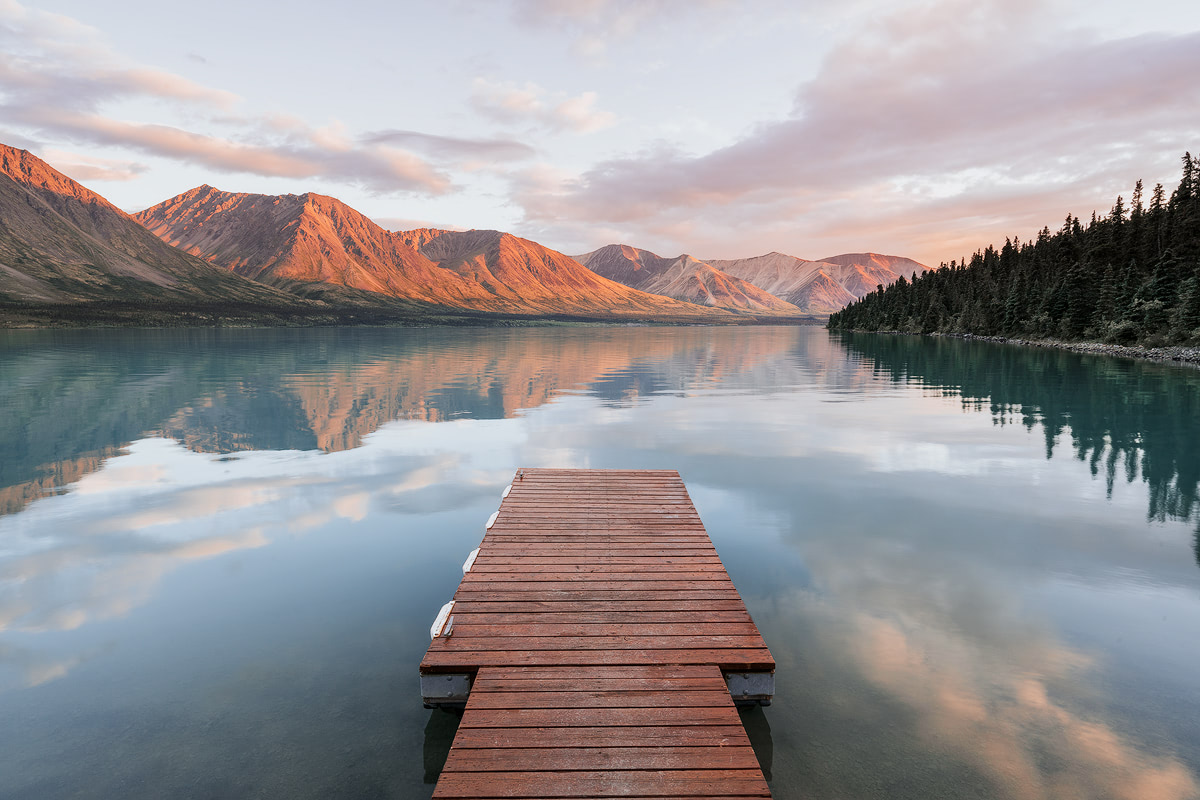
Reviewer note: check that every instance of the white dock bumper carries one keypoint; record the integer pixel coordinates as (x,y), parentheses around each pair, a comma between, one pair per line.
(435,630)
(470,560)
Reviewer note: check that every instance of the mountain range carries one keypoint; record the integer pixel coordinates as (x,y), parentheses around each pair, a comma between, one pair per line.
(775,282)
(60,242)
(312,256)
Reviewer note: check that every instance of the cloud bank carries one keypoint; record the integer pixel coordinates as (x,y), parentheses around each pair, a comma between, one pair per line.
(952,118)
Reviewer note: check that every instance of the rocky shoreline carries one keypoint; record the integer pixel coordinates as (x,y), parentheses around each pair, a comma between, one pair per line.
(1189,356)
(1184,356)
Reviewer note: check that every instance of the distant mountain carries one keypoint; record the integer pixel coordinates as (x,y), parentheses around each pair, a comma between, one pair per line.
(625,264)
(524,273)
(860,273)
(819,286)
(318,239)
(774,283)
(684,278)
(62,243)
(782,275)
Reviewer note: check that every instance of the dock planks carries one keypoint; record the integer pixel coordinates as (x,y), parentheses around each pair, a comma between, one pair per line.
(598,622)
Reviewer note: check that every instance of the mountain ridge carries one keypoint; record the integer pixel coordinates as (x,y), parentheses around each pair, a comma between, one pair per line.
(774,282)
(684,278)
(312,254)
(319,239)
(63,243)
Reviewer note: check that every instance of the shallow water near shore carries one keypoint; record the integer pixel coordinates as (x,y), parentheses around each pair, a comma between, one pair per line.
(220,551)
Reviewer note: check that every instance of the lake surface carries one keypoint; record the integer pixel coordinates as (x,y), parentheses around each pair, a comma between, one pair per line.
(220,551)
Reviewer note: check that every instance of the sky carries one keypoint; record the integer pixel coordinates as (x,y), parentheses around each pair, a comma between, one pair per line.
(722,129)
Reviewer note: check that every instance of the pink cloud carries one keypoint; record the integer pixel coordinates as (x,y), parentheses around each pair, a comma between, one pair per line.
(531,104)
(595,23)
(58,78)
(910,123)
(91,168)
(377,167)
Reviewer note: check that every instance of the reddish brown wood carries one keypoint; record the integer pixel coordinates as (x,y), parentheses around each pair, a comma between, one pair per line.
(715,736)
(623,783)
(534,626)
(597,619)
(703,696)
(568,616)
(747,660)
(579,606)
(601,758)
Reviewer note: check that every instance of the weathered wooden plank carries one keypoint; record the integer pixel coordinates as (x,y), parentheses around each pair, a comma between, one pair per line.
(535,644)
(663,688)
(600,671)
(470,627)
(566,553)
(593,717)
(579,562)
(652,783)
(729,659)
(537,617)
(519,593)
(678,579)
(730,735)
(600,758)
(466,605)
(490,584)
(696,697)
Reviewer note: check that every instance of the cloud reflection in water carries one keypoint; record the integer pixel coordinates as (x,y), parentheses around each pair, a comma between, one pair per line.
(940,595)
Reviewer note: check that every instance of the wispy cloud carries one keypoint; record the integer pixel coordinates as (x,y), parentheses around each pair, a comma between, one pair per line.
(453,148)
(531,104)
(300,154)
(906,120)
(87,167)
(594,24)
(60,81)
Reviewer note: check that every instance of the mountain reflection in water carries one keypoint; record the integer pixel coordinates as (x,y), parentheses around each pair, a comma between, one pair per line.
(221,550)
(73,400)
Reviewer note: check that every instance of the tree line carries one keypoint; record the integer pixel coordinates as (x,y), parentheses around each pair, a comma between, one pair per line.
(1130,277)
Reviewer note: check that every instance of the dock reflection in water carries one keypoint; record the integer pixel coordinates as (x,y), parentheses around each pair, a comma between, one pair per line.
(220,551)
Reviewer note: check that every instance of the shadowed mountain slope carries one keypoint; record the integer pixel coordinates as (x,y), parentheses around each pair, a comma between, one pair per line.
(62,243)
(308,237)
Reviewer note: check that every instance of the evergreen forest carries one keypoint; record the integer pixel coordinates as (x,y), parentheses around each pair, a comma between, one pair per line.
(1129,277)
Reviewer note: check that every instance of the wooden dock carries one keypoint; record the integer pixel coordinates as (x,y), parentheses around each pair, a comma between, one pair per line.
(598,644)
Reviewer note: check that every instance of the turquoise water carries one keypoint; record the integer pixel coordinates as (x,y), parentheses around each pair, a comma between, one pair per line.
(220,551)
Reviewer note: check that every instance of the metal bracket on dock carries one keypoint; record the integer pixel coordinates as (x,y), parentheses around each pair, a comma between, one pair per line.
(751,688)
(445,691)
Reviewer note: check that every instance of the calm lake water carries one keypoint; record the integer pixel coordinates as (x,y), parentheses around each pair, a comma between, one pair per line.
(220,551)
